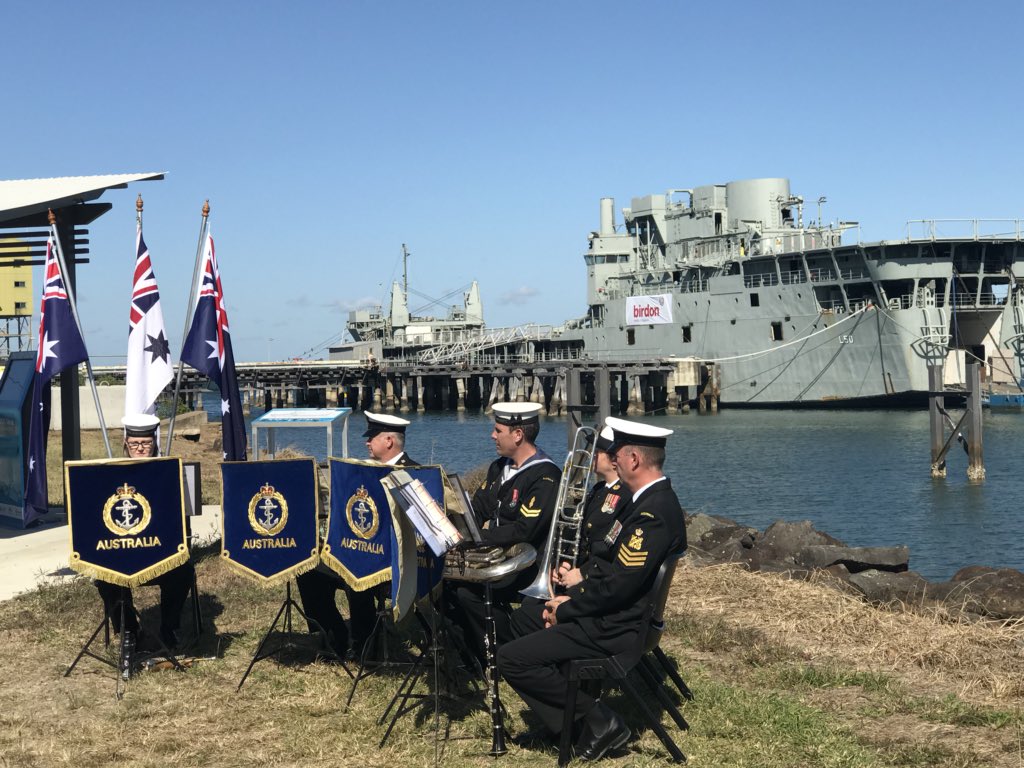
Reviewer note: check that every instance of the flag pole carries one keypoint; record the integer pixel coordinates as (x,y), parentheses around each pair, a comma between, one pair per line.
(188,321)
(73,303)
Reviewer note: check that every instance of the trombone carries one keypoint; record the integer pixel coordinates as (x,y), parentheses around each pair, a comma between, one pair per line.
(563,542)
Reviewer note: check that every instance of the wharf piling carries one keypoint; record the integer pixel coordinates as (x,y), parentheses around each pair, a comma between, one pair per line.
(606,388)
(967,430)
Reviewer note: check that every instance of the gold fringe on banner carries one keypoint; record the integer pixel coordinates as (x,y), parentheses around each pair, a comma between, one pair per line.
(356,583)
(278,578)
(135,580)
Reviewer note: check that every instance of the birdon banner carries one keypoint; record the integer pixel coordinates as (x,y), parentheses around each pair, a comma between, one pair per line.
(269,527)
(649,310)
(126,518)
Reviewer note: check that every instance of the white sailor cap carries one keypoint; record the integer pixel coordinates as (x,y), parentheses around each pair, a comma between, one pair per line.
(381,422)
(636,433)
(605,439)
(140,425)
(516,414)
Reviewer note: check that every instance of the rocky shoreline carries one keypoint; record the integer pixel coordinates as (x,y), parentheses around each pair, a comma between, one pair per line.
(880,575)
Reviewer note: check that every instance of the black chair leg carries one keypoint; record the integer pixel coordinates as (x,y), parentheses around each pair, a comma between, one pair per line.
(568,718)
(197,609)
(666,664)
(648,673)
(653,722)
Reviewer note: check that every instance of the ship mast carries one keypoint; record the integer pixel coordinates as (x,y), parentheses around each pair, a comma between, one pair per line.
(405,273)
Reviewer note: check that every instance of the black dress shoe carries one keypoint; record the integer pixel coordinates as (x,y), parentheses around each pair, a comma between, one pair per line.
(603,730)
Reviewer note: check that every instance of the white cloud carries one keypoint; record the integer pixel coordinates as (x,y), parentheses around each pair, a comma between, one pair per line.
(520,295)
(349,305)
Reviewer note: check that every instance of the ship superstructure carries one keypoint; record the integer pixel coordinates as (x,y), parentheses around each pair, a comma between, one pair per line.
(791,313)
(400,334)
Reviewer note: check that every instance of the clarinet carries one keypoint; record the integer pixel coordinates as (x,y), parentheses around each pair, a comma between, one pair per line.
(491,677)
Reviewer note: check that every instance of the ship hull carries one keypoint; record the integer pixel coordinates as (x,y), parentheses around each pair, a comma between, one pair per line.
(815,340)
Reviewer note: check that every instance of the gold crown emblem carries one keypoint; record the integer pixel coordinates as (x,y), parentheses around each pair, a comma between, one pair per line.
(267,490)
(361,493)
(125,490)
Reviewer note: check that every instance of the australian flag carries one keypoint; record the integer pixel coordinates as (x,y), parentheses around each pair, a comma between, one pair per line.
(148,369)
(60,345)
(208,349)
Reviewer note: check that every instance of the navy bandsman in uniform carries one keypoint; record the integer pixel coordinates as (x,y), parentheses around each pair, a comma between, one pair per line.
(605,503)
(601,615)
(514,505)
(385,442)
(140,443)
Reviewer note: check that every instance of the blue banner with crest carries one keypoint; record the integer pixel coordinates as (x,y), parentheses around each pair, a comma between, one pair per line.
(269,519)
(363,544)
(126,518)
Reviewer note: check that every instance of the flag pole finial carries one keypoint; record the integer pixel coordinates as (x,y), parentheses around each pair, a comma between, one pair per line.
(206,209)
(138,204)
(51,216)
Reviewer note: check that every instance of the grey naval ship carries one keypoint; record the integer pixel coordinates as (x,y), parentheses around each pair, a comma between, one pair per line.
(793,313)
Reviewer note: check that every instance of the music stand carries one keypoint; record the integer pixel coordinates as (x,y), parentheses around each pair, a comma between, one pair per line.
(269,532)
(128,663)
(284,615)
(437,645)
(146,510)
(433,526)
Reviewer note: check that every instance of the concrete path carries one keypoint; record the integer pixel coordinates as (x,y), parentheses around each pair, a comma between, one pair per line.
(41,554)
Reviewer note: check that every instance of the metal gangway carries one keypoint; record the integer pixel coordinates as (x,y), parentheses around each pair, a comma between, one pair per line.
(488,339)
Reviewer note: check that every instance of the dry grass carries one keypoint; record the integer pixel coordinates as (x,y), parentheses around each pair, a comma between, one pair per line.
(919,685)
(286,714)
(786,673)
(981,662)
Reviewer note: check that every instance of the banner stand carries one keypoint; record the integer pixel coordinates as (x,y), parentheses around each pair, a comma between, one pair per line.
(128,663)
(284,617)
(381,637)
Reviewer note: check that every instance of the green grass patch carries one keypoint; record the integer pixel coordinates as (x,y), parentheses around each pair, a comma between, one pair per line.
(829,676)
(949,710)
(735,726)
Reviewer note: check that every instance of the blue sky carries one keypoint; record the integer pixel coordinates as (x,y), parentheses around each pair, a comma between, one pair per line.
(483,135)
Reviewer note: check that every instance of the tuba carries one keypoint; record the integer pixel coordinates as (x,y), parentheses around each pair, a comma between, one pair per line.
(563,542)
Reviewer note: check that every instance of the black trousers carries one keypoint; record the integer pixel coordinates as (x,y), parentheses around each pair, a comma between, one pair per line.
(174,587)
(466,607)
(528,617)
(533,665)
(318,592)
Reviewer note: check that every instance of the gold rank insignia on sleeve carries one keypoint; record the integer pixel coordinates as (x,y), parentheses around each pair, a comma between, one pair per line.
(528,510)
(630,554)
(647,514)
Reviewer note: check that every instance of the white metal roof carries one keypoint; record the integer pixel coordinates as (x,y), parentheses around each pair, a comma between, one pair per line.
(24,197)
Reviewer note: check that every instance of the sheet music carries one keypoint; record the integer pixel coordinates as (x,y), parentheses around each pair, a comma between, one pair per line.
(466,507)
(426,515)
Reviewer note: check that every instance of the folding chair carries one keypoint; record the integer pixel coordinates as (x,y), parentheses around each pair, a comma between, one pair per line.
(616,668)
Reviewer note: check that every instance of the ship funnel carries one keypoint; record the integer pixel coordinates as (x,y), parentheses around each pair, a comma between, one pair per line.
(607,216)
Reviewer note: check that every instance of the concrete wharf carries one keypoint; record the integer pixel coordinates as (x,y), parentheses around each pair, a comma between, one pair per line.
(634,387)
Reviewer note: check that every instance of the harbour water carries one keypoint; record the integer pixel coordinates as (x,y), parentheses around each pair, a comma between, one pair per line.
(860,476)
